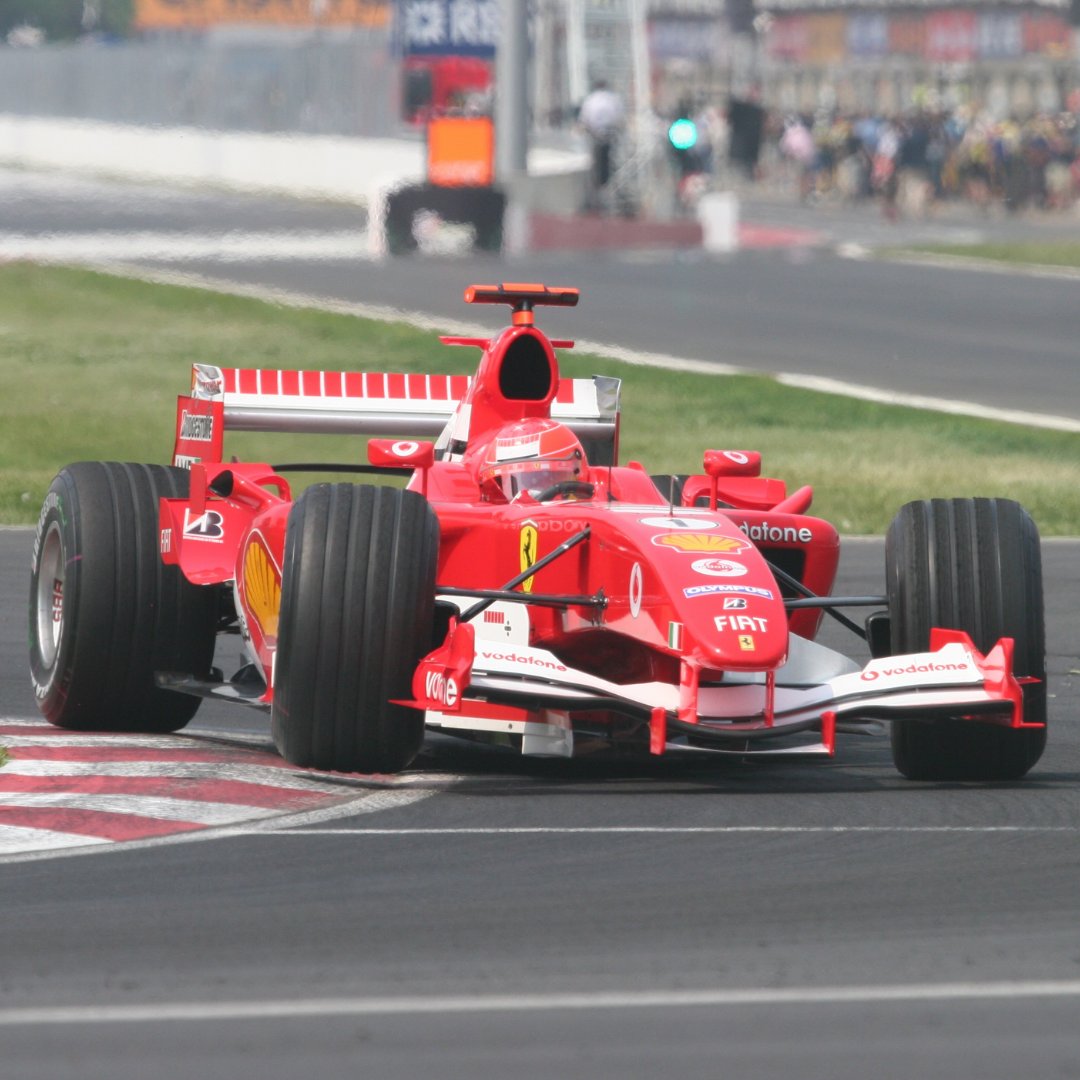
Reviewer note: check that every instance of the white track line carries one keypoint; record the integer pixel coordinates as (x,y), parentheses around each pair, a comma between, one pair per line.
(94,247)
(919,401)
(679,830)
(517,1003)
(425,321)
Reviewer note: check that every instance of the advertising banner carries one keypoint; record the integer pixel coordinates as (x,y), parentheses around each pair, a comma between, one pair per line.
(1000,35)
(203,14)
(703,40)
(1047,34)
(787,38)
(907,35)
(827,38)
(448,27)
(951,36)
(868,35)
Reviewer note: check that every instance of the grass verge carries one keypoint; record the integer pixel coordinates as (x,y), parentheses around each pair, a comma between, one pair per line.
(95,362)
(1027,253)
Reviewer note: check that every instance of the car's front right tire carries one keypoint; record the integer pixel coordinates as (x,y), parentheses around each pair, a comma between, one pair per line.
(972,565)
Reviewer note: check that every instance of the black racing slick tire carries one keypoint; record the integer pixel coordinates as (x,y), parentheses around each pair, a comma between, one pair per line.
(357,612)
(972,565)
(105,612)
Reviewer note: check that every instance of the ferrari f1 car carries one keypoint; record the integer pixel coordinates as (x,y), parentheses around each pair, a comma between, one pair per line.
(522,587)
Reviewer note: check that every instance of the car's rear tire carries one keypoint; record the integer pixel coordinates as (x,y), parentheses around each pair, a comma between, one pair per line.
(357,610)
(105,612)
(972,565)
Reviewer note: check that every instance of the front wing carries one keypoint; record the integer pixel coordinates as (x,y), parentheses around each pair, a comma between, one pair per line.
(484,686)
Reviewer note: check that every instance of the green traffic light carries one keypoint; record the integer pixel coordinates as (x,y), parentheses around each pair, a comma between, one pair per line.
(682,134)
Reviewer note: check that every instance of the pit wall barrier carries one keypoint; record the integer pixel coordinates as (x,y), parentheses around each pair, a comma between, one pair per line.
(541,209)
(311,166)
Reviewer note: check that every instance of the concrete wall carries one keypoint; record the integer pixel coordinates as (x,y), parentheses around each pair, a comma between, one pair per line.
(313,115)
(311,165)
(320,166)
(318,84)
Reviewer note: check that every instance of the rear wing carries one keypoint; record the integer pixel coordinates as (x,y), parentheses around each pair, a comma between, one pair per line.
(361,403)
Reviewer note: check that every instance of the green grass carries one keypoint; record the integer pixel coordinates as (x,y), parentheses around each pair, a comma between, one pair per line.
(93,365)
(1061,253)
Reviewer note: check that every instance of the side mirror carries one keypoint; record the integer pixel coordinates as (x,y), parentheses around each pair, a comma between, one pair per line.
(732,463)
(401,453)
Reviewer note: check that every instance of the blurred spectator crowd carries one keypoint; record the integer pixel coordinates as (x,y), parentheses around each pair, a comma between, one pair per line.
(909,162)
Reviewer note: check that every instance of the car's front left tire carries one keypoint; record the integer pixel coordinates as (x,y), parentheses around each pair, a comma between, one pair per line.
(357,614)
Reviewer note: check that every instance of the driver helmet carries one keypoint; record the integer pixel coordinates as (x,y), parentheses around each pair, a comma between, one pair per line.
(531,455)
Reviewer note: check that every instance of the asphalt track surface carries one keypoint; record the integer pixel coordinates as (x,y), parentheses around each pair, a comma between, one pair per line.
(533,919)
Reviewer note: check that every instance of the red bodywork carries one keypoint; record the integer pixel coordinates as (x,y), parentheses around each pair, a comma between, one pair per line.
(669,620)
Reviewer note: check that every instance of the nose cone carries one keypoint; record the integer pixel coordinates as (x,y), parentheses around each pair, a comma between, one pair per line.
(729,610)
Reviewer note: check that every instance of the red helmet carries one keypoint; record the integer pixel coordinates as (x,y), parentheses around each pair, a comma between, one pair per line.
(531,455)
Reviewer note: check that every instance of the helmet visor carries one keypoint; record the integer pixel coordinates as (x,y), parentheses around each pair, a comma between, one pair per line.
(537,476)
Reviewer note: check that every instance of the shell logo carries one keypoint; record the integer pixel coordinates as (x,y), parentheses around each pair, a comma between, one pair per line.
(262,587)
(699,543)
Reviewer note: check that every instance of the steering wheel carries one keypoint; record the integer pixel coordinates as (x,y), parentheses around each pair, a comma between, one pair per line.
(580,488)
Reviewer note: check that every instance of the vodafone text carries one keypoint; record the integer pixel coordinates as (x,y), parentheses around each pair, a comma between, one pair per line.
(913,669)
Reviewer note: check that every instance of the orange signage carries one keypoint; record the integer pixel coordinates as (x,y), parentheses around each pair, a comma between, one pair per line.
(461,151)
(200,14)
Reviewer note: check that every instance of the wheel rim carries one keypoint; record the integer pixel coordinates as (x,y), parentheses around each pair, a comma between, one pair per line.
(50,595)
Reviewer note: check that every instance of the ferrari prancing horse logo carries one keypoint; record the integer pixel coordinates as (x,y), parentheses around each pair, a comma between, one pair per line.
(528,546)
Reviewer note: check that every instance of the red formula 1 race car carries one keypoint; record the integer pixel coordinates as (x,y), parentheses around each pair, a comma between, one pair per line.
(523,587)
